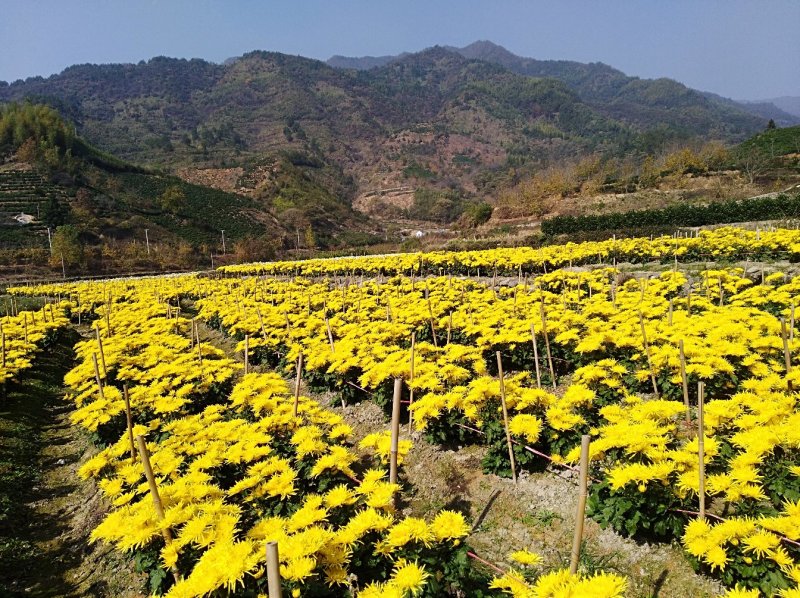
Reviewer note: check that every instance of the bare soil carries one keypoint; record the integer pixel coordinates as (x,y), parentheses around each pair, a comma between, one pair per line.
(49,512)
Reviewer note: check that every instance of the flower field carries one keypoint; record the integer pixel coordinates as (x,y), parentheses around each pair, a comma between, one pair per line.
(241,458)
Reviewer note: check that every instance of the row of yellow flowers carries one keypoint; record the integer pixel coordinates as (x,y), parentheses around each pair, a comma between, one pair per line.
(23,335)
(728,326)
(722,243)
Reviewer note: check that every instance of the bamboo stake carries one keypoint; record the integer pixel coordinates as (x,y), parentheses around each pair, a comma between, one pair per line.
(505,418)
(787,356)
(701,390)
(449,326)
(669,313)
(129,419)
(273,571)
(430,314)
(151,481)
(791,324)
(3,342)
(246,354)
(197,338)
(25,325)
(97,375)
(536,357)
(647,352)
(330,335)
(684,380)
(108,319)
(398,391)
(261,322)
(297,384)
(547,344)
(411,382)
(102,352)
(581,511)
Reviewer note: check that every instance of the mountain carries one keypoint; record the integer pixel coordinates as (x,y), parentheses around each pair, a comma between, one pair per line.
(644,103)
(362,63)
(790,104)
(421,135)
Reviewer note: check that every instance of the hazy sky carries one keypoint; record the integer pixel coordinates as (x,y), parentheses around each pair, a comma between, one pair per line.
(739,49)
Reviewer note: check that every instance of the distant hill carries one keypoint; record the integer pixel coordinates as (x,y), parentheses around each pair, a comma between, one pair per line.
(448,127)
(789,104)
(641,102)
(362,63)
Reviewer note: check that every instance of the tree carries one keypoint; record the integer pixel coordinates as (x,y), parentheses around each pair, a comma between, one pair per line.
(173,199)
(752,162)
(66,244)
(54,213)
(476,214)
(771,124)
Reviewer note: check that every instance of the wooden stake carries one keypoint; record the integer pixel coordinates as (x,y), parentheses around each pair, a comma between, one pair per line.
(297,384)
(701,448)
(411,382)
(151,481)
(580,513)
(536,357)
(197,338)
(273,571)
(102,352)
(330,335)
(787,356)
(505,418)
(246,354)
(25,325)
(129,419)
(449,326)
(108,319)
(3,342)
(97,375)
(684,381)
(669,313)
(547,344)
(647,352)
(398,391)
(261,322)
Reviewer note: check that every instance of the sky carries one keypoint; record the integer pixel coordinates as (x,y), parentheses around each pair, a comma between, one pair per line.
(742,49)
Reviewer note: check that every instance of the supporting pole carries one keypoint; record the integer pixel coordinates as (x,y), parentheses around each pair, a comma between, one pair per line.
(701,390)
(398,391)
(151,482)
(197,338)
(102,352)
(129,419)
(3,342)
(246,354)
(787,356)
(330,335)
(649,357)
(297,384)
(411,382)
(97,375)
(505,418)
(684,380)
(581,511)
(273,571)
(536,357)
(547,343)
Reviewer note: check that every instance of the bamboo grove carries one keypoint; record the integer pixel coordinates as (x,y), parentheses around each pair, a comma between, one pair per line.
(241,458)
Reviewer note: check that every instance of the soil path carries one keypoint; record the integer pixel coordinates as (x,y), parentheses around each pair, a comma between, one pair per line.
(46,511)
